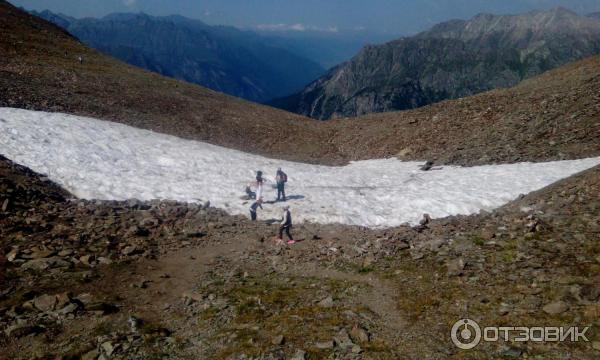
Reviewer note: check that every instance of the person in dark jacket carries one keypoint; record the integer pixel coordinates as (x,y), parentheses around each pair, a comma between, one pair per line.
(286,224)
(281,179)
(255,205)
(259,185)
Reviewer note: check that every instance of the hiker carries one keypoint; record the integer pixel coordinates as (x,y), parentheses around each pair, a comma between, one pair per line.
(255,205)
(286,224)
(249,193)
(281,179)
(259,185)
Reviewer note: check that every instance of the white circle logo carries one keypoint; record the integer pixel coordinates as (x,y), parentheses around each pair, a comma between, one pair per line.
(466,334)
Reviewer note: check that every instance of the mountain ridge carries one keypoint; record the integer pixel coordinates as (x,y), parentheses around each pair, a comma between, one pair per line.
(222,58)
(451,60)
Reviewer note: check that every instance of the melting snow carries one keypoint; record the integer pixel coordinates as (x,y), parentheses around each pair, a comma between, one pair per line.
(96,159)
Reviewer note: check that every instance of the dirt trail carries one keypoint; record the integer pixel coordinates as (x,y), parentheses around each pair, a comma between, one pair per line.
(174,274)
(380,296)
(179,272)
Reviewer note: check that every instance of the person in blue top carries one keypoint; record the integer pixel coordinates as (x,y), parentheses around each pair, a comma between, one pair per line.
(255,205)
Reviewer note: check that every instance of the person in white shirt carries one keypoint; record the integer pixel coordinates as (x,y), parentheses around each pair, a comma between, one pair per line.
(259,185)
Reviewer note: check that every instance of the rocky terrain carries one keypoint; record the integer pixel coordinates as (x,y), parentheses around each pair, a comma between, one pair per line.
(452,60)
(88,279)
(133,280)
(549,117)
(238,63)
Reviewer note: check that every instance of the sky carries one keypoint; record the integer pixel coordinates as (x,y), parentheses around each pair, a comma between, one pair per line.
(402,17)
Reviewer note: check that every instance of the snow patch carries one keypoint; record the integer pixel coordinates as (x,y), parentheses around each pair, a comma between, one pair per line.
(97,159)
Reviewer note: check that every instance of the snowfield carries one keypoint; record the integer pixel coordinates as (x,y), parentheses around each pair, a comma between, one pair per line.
(96,159)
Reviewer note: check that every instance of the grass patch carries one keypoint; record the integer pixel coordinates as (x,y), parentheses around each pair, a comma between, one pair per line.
(274,306)
(365,270)
(477,240)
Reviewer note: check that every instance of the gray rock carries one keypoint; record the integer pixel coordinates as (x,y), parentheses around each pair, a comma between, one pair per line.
(65,253)
(20,330)
(87,259)
(69,309)
(101,308)
(326,303)
(359,335)
(591,292)
(278,340)
(104,260)
(342,339)
(324,345)
(191,297)
(455,267)
(299,355)
(45,264)
(149,222)
(134,323)
(505,309)
(90,355)
(556,308)
(40,254)
(510,352)
(108,348)
(12,255)
(129,250)
(45,302)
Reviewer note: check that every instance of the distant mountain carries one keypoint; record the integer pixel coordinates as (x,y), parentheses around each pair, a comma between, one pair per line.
(452,60)
(239,63)
(328,48)
(595,15)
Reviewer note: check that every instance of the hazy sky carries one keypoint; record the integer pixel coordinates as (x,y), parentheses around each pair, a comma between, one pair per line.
(390,16)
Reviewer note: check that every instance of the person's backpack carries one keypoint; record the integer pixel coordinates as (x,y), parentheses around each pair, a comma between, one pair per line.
(284,177)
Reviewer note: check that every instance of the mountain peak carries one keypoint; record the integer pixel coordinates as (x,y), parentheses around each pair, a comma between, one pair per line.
(540,23)
(563,10)
(483,53)
(125,16)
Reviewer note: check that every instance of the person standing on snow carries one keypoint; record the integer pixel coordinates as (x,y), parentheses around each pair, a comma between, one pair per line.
(255,205)
(259,185)
(281,179)
(286,224)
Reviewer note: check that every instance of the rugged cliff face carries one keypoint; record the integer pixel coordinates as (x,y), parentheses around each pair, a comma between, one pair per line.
(451,60)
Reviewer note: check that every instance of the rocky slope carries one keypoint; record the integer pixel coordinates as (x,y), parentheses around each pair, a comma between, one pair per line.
(123,280)
(552,116)
(452,60)
(39,69)
(224,59)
